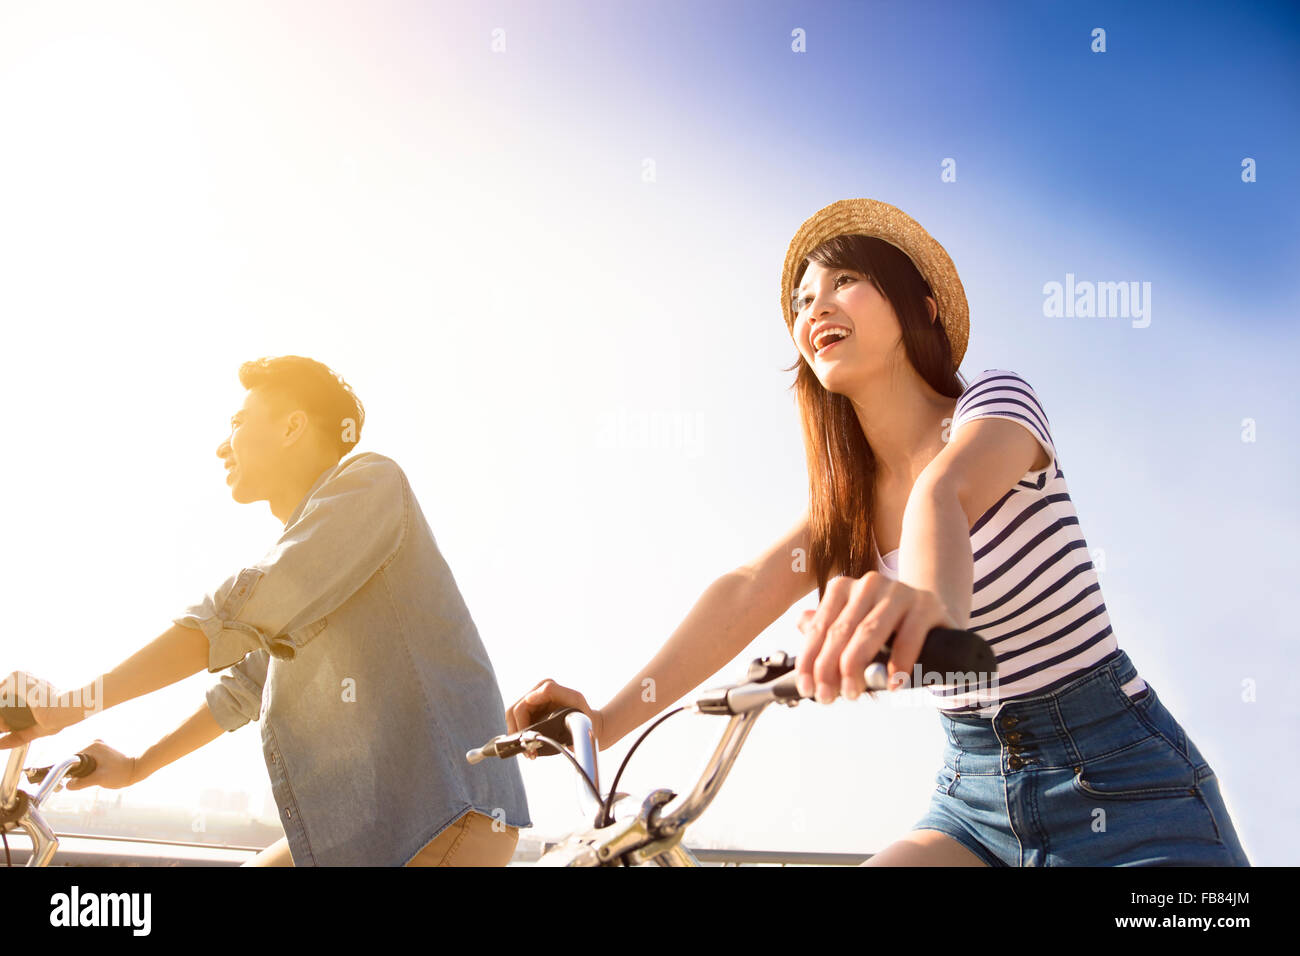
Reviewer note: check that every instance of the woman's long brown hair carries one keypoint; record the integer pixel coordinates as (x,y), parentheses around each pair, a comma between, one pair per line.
(841,464)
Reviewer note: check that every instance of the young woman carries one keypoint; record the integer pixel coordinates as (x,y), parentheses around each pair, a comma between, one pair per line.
(1069,757)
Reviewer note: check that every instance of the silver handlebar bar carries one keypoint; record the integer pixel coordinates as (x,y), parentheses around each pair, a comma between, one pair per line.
(584,749)
(9,782)
(685,810)
(666,815)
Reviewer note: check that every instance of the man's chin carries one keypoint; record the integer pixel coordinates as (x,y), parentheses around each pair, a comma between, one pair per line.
(241,495)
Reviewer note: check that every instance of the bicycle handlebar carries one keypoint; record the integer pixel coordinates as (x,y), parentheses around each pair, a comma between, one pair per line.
(20,811)
(82,765)
(948,652)
(951,652)
(552,727)
(567,727)
(78,765)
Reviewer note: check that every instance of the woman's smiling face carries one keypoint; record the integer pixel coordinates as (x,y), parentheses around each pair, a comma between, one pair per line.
(843,326)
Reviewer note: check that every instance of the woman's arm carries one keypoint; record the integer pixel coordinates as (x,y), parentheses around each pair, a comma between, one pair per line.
(935,553)
(855,618)
(732,611)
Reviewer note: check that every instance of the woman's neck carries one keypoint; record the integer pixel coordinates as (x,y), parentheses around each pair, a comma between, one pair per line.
(905,422)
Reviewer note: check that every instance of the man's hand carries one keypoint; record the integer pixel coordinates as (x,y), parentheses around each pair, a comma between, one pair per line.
(113,769)
(51,712)
(546,697)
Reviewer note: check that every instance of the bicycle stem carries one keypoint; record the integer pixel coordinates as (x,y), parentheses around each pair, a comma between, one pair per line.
(667,821)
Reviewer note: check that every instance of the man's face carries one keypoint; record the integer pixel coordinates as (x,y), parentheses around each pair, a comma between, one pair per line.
(256,446)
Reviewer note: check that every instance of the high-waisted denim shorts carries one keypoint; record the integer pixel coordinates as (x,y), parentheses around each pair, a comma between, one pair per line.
(1081,776)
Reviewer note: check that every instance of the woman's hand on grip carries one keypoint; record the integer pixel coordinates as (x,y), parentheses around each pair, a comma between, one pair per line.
(855,618)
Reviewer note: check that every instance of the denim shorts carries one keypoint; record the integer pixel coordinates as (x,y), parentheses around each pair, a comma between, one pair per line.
(1081,776)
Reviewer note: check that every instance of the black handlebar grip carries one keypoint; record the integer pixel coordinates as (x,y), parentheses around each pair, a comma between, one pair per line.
(949,650)
(85,767)
(946,651)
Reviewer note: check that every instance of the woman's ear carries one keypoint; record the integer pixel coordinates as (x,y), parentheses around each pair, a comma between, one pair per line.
(934,309)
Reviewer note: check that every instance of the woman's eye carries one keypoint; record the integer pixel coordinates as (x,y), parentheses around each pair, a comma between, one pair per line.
(801,304)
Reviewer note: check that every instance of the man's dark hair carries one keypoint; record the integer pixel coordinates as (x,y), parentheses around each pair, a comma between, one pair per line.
(306,384)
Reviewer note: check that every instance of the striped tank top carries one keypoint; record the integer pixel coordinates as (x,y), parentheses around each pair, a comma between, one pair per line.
(1036,600)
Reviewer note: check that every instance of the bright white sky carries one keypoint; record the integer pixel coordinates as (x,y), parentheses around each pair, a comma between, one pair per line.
(468,238)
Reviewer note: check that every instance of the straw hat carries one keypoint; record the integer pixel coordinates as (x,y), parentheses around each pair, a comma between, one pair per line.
(870,217)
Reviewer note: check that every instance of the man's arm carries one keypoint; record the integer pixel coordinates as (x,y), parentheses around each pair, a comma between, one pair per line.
(231,703)
(350,528)
(115,770)
(176,654)
(198,731)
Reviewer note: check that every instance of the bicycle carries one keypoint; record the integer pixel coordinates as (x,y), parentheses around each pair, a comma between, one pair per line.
(653,835)
(22,811)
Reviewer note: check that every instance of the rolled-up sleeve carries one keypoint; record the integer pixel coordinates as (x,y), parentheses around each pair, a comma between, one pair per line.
(349,528)
(237,697)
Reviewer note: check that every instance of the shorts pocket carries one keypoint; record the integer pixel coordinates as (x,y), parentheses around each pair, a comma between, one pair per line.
(945,781)
(1151,768)
(1151,711)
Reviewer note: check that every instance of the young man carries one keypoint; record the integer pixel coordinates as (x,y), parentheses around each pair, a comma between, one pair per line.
(349,640)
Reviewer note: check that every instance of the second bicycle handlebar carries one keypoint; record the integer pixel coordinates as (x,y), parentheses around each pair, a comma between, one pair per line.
(958,655)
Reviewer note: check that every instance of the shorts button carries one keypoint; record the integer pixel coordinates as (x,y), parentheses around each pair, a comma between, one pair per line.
(1013,737)
(1015,763)
(1010,721)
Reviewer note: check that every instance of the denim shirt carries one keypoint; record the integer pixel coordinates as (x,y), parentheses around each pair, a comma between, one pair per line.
(351,643)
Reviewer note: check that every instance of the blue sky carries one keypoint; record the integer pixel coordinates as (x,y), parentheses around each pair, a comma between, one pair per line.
(470,237)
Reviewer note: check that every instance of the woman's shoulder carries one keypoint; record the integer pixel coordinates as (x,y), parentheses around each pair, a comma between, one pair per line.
(994,384)
(993,378)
